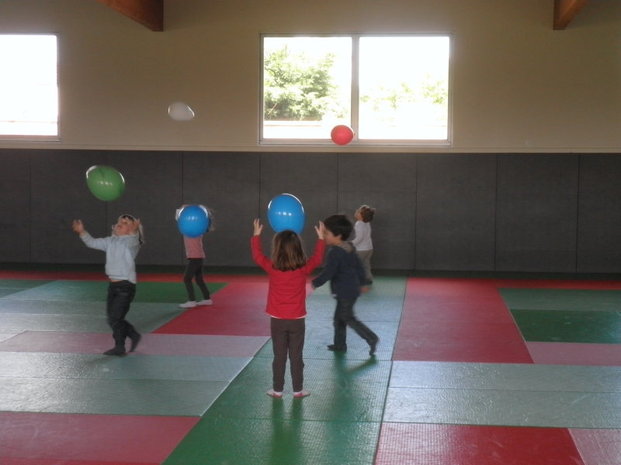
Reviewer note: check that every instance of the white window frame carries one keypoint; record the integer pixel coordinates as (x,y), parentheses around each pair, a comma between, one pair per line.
(355,98)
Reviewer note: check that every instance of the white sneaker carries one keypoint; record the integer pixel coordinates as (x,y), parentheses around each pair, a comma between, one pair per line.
(205,302)
(188,304)
(300,394)
(274,394)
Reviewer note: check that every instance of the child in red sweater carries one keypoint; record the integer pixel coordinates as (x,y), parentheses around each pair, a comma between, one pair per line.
(286,301)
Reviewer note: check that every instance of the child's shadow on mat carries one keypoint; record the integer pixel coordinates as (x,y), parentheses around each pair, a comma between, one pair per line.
(286,444)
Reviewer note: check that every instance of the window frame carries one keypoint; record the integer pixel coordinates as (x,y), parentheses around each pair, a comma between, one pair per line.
(354,111)
(41,137)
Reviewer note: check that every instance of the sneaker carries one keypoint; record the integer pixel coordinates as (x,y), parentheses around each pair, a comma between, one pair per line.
(373,346)
(135,338)
(188,304)
(300,394)
(274,394)
(205,302)
(118,351)
(334,348)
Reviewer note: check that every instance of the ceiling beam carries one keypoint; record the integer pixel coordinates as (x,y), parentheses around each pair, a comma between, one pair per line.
(149,13)
(565,11)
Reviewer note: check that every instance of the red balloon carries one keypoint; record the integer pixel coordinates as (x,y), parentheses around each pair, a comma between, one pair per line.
(341,134)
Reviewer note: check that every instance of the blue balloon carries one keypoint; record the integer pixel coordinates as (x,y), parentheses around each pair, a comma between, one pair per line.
(193,220)
(285,211)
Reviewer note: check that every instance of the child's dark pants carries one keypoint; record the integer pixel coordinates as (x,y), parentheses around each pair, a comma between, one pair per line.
(288,339)
(344,317)
(120,295)
(194,270)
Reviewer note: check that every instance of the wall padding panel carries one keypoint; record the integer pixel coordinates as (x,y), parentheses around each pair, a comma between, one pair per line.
(59,195)
(310,177)
(15,215)
(599,215)
(228,184)
(386,182)
(536,213)
(455,212)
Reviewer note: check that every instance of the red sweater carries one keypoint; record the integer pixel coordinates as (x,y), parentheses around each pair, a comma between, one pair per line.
(286,295)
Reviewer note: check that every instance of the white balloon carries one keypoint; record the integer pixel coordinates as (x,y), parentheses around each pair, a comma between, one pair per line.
(180,111)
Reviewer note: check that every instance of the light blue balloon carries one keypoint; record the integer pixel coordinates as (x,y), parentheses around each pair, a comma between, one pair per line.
(193,220)
(285,212)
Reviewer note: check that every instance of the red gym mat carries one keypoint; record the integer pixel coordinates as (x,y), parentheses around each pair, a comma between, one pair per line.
(42,438)
(425,444)
(457,320)
(238,309)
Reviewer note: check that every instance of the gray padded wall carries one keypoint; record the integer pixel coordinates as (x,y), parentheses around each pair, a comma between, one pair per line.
(59,195)
(599,217)
(228,184)
(153,191)
(15,215)
(537,213)
(310,177)
(509,212)
(455,212)
(386,182)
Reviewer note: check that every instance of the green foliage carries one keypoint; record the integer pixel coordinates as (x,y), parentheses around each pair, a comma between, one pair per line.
(385,98)
(296,88)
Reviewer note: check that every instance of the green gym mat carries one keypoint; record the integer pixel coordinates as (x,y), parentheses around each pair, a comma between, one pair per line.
(89,291)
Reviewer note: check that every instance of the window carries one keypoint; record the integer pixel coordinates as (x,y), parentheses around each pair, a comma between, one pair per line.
(388,89)
(28,86)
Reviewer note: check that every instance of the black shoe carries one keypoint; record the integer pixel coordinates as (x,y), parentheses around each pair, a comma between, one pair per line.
(118,351)
(334,348)
(135,338)
(373,346)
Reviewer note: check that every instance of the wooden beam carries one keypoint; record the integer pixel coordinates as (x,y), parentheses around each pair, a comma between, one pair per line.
(149,13)
(565,11)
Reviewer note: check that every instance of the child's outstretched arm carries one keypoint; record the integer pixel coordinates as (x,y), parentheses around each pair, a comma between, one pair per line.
(89,241)
(255,247)
(320,229)
(258,227)
(320,247)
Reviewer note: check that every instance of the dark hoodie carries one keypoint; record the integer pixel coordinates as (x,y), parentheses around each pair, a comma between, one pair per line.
(344,271)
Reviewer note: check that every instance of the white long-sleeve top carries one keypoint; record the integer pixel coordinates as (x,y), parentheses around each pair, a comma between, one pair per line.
(121,254)
(362,241)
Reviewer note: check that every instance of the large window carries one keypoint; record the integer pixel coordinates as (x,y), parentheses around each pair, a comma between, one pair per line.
(28,86)
(388,89)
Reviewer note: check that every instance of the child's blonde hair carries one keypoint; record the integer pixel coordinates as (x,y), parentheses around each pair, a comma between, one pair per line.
(287,251)
(366,213)
(140,229)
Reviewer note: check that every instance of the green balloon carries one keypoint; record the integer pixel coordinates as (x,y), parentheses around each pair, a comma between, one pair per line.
(105,182)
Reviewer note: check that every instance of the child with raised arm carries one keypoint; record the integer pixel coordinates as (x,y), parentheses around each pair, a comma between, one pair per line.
(362,239)
(346,275)
(286,301)
(121,249)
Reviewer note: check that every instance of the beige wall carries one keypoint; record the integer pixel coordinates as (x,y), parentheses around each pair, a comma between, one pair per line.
(517,85)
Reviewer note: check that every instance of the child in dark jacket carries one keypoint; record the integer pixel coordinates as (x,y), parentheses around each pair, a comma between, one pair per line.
(345,272)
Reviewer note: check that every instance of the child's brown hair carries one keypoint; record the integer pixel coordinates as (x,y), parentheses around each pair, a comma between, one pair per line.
(287,251)
(366,213)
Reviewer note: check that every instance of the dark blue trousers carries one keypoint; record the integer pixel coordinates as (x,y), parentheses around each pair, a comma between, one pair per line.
(120,296)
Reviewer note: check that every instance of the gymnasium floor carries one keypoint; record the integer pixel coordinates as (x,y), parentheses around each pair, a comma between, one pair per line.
(468,372)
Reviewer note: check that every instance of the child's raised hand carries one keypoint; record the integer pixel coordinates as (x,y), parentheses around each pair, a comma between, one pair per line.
(135,225)
(77,226)
(320,229)
(258,227)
